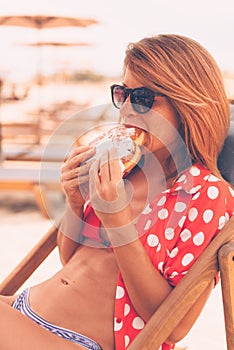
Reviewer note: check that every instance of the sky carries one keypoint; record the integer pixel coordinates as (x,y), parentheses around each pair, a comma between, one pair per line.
(119,22)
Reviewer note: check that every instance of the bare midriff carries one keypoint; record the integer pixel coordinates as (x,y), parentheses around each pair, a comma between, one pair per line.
(81,296)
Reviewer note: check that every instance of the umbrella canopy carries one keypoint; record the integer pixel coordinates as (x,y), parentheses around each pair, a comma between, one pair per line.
(56,44)
(45,21)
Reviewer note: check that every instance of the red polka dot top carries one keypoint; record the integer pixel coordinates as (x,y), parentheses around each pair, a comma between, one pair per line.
(174,228)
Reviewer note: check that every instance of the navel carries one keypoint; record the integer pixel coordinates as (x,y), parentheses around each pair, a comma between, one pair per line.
(64,281)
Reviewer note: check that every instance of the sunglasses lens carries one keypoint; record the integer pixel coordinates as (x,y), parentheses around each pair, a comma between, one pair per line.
(118,96)
(142,100)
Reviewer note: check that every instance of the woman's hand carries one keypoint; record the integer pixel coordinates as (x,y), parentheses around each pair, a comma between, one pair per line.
(107,191)
(75,176)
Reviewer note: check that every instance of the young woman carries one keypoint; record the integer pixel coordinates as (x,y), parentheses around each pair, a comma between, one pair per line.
(127,245)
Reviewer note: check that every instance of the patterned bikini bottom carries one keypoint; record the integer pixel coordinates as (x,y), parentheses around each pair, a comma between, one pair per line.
(22,304)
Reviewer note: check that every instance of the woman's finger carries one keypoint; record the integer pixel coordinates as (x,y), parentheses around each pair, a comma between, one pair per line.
(75,181)
(85,166)
(94,177)
(104,167)
(114,165)
(94,183)
(78,150)
(69,174)
(77,172)
(77,159)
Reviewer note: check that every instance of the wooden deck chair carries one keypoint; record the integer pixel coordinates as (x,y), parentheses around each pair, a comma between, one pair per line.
(218,256)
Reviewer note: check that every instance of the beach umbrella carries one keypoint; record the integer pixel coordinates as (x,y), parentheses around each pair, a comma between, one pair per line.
(45,21)
(56,44)
(40,22)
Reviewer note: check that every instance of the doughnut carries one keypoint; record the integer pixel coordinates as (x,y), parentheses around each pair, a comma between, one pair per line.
(127,140)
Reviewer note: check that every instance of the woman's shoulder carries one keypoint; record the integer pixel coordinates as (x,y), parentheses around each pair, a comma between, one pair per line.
(197,177)
(199,182)
(198,196)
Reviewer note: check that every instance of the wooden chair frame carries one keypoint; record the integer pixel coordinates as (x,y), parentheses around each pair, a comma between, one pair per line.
(28,179)
(218,256)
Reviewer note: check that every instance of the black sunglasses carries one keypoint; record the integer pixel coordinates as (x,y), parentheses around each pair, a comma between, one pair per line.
(141,98)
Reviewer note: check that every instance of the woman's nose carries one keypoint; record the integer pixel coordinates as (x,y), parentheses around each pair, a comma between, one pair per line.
(126,109)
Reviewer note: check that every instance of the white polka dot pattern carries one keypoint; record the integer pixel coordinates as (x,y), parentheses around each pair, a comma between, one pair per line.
(231,191)
(138,323)
(174,252)
(185,235)
(194,189)
(117,324)
(208,215)
(174,274)
(187,259)
(199,238)
(126,309)
(212,192)
(222,222)
(160,266)
(182,178)
(193,213)
(119,292)
(163,214)
(180,206)
(181,221)
(176,227)
(152,240)
(196,196)
(159,246)
(212,178)
(169,233)
(147,210)
(126,340)
(147,225)
(162,201)
(194,171)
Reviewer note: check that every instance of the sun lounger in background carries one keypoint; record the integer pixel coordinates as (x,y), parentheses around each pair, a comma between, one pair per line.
(38,181)
(28,140)
(25,164)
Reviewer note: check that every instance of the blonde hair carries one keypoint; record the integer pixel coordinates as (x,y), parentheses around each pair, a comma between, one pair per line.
(188,75)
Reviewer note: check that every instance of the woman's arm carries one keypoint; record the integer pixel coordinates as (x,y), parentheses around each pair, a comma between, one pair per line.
(68,238)
(74,179)
(146,287)
(190,318)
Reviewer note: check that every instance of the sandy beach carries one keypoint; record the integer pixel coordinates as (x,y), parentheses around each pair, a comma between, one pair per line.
(22,225)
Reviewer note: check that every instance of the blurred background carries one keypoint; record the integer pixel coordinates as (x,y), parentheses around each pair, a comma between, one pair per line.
(57,61)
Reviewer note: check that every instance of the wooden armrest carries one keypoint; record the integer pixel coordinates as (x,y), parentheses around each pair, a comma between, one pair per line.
(29,264)
(226,263)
